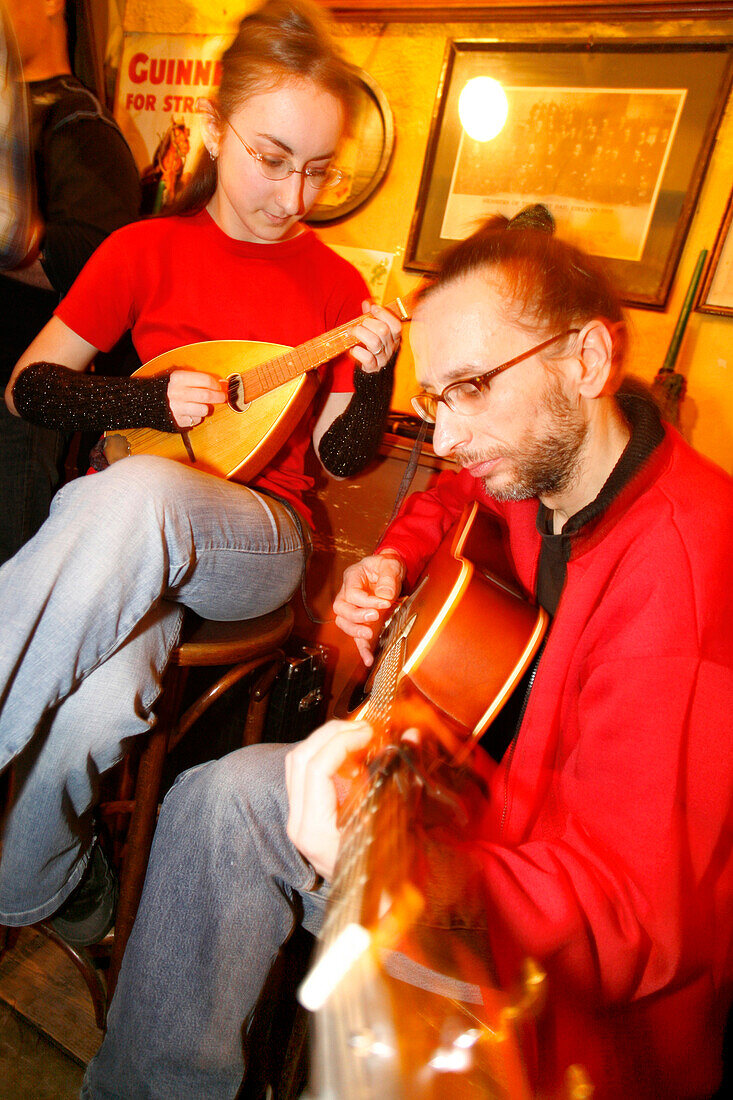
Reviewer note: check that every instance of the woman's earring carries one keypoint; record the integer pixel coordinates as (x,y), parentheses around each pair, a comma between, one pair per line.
(212,154)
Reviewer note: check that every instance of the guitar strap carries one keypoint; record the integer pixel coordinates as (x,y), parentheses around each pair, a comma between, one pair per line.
(408,475)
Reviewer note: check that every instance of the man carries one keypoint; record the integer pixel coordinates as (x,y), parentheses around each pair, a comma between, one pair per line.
(86,184)
(605,846)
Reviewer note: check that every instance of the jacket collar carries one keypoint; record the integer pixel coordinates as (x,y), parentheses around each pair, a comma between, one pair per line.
(640,463)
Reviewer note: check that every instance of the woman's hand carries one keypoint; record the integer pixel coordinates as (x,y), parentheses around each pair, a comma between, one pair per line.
(368,591)
(192,396)
(379,336)
(310,769)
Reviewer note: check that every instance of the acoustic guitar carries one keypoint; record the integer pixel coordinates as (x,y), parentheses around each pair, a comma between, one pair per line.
(403,986)
(460,641)
(269,387)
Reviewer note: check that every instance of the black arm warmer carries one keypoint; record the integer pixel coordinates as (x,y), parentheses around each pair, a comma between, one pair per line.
(57,397)
(352,439)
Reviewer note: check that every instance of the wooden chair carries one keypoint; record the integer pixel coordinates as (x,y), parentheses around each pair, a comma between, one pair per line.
(251,648)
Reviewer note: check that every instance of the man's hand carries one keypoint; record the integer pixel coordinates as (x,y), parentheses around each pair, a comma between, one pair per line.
(309,774)
(379,335)
(192,396)
(368,591)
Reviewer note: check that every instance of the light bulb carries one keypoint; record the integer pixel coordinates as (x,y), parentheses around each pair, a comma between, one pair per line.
(482,108)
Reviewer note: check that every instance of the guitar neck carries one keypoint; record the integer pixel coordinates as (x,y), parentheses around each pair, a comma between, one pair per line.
(358,814)
(294,362)
(404,985)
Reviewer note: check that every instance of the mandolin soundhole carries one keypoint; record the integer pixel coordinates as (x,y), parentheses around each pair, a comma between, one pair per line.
(235,393)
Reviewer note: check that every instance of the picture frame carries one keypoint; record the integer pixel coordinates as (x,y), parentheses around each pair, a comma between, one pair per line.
(716,288)
(365,155)
(614,136)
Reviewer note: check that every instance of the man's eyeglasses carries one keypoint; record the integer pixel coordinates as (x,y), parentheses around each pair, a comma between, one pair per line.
(274,167)
(469,396)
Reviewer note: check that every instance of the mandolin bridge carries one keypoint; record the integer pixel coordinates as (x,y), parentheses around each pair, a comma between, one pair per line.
(235,393)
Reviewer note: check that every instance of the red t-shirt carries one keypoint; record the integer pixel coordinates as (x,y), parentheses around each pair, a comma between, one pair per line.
(179,280)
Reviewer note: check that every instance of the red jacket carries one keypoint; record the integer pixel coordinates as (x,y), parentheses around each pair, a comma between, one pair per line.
(613,863)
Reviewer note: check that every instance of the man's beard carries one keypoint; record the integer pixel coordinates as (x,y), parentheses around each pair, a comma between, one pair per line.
(543,465)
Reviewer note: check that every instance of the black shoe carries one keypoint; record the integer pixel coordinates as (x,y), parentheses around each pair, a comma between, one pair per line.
(89,911)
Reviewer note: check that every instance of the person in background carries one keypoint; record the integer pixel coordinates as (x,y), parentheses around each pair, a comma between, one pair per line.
(84,185)
(16,179)
(604,849)
(106,578)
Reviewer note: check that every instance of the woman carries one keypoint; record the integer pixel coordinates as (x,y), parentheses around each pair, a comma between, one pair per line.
(93,605)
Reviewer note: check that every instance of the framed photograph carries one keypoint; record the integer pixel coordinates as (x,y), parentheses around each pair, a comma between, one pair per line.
(716,289)
(612,136)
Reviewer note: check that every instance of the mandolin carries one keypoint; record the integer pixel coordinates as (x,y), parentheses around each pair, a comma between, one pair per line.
(403,987)
(269,387)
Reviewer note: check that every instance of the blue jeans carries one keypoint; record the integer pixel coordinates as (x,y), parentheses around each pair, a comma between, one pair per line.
(30,461)
(90,610)
(223,891)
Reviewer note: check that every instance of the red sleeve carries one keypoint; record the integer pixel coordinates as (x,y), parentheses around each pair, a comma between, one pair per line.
(99,307)
(424,519)
(623,903)
(624,885)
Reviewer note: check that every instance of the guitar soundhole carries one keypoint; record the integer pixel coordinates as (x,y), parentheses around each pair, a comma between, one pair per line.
(235,393)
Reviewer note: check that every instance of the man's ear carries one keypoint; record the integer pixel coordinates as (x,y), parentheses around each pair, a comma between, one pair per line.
(595,359)
(210,125)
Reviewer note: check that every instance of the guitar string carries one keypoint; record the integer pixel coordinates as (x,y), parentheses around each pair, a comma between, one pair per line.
(342,898)
(382,1070)
(350,1018)
(401,307)
(340,1012)
(279,369)
(341,895)
(352,868)
(321,348)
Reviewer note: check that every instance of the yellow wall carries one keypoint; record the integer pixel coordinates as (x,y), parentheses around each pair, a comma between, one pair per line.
(406,60)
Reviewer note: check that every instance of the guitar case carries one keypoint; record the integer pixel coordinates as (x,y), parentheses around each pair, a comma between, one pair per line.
(298,697)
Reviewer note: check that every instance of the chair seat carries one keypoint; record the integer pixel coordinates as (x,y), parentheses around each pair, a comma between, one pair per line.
(206,643)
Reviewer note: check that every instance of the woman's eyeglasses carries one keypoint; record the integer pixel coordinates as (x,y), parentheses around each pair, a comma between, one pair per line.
(274,167)
(470,396)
